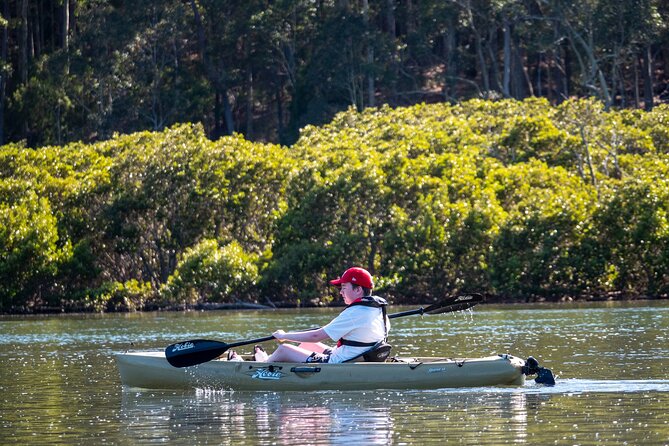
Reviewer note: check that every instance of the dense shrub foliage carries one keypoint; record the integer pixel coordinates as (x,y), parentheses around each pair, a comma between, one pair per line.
(520,200)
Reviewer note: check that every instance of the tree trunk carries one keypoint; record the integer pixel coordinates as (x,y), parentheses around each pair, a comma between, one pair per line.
(539,86)
(37,31)
(23,41)
(481,58)
(637,94)
(218,130)
(391,26)
(492,54)
(249,103)
(596,74)
(647,78)
(449,60)
(66,25)
(201,36)
(59,133)
(279,115)
(371,88)
(558,69)
(41,28)
(370,56)
(3,75)
(390,18)
(227,113)
(521,84)
(566,75)
(506,79)
(551,83)
(31,40)
(52,26)
(409,18)
(220,92)
(619,79)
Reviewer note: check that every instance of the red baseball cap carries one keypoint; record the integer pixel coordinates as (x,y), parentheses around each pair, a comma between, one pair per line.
(356,276)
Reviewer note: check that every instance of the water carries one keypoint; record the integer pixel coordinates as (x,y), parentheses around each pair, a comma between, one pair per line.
(59,383)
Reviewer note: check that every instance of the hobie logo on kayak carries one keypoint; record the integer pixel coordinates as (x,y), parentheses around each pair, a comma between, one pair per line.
(266,374)
(183,346)
(462,298)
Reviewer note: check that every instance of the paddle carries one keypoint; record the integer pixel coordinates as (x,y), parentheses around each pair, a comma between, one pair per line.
(197,351)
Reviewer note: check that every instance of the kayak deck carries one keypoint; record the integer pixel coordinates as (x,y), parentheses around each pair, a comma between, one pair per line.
(150,370)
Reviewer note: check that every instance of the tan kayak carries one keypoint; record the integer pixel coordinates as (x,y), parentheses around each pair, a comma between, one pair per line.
(151,370)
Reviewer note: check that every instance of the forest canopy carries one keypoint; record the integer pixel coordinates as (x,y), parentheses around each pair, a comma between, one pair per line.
(516,199)
(83,70)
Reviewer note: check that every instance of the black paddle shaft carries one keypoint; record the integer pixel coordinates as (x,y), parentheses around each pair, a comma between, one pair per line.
(198,351)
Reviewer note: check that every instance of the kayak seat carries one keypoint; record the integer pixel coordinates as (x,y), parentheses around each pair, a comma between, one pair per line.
(378,353)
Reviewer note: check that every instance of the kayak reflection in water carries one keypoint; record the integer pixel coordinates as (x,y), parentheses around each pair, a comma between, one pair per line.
(357,329)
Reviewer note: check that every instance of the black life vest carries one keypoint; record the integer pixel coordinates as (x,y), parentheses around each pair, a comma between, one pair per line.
(367,301)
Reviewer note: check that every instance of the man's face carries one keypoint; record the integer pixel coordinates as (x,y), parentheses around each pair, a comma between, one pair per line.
(350,292)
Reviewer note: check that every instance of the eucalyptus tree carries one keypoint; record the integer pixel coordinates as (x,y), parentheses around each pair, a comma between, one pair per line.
(4,66)
(604,36)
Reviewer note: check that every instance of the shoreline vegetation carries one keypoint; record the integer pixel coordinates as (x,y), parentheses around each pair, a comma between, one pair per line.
(209,306)
(519,200)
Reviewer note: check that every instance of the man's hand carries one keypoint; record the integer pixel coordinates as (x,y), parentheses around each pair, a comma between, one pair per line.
(279,335)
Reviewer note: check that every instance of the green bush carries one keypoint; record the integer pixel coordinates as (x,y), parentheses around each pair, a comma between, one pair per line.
(212,273)
(29,252)
(512,198)
(115,296)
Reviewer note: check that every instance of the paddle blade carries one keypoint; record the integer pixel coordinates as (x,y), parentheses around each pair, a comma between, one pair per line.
(458,303)
(196,351)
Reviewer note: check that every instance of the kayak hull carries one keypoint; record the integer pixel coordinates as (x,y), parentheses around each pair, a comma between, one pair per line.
(150,370)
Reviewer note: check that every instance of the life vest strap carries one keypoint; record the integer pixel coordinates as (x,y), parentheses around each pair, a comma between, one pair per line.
(357,343)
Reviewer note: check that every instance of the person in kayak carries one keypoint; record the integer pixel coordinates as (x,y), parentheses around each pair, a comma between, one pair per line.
(358,328)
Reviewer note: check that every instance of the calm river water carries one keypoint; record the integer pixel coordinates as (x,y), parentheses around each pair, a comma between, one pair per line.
(59,383)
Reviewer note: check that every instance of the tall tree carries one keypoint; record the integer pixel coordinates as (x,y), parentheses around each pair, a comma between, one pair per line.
(214,66)
(84,69)
(23,41)
(4,66)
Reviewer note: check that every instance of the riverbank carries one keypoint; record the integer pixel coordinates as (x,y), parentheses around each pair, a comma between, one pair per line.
(212,306)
